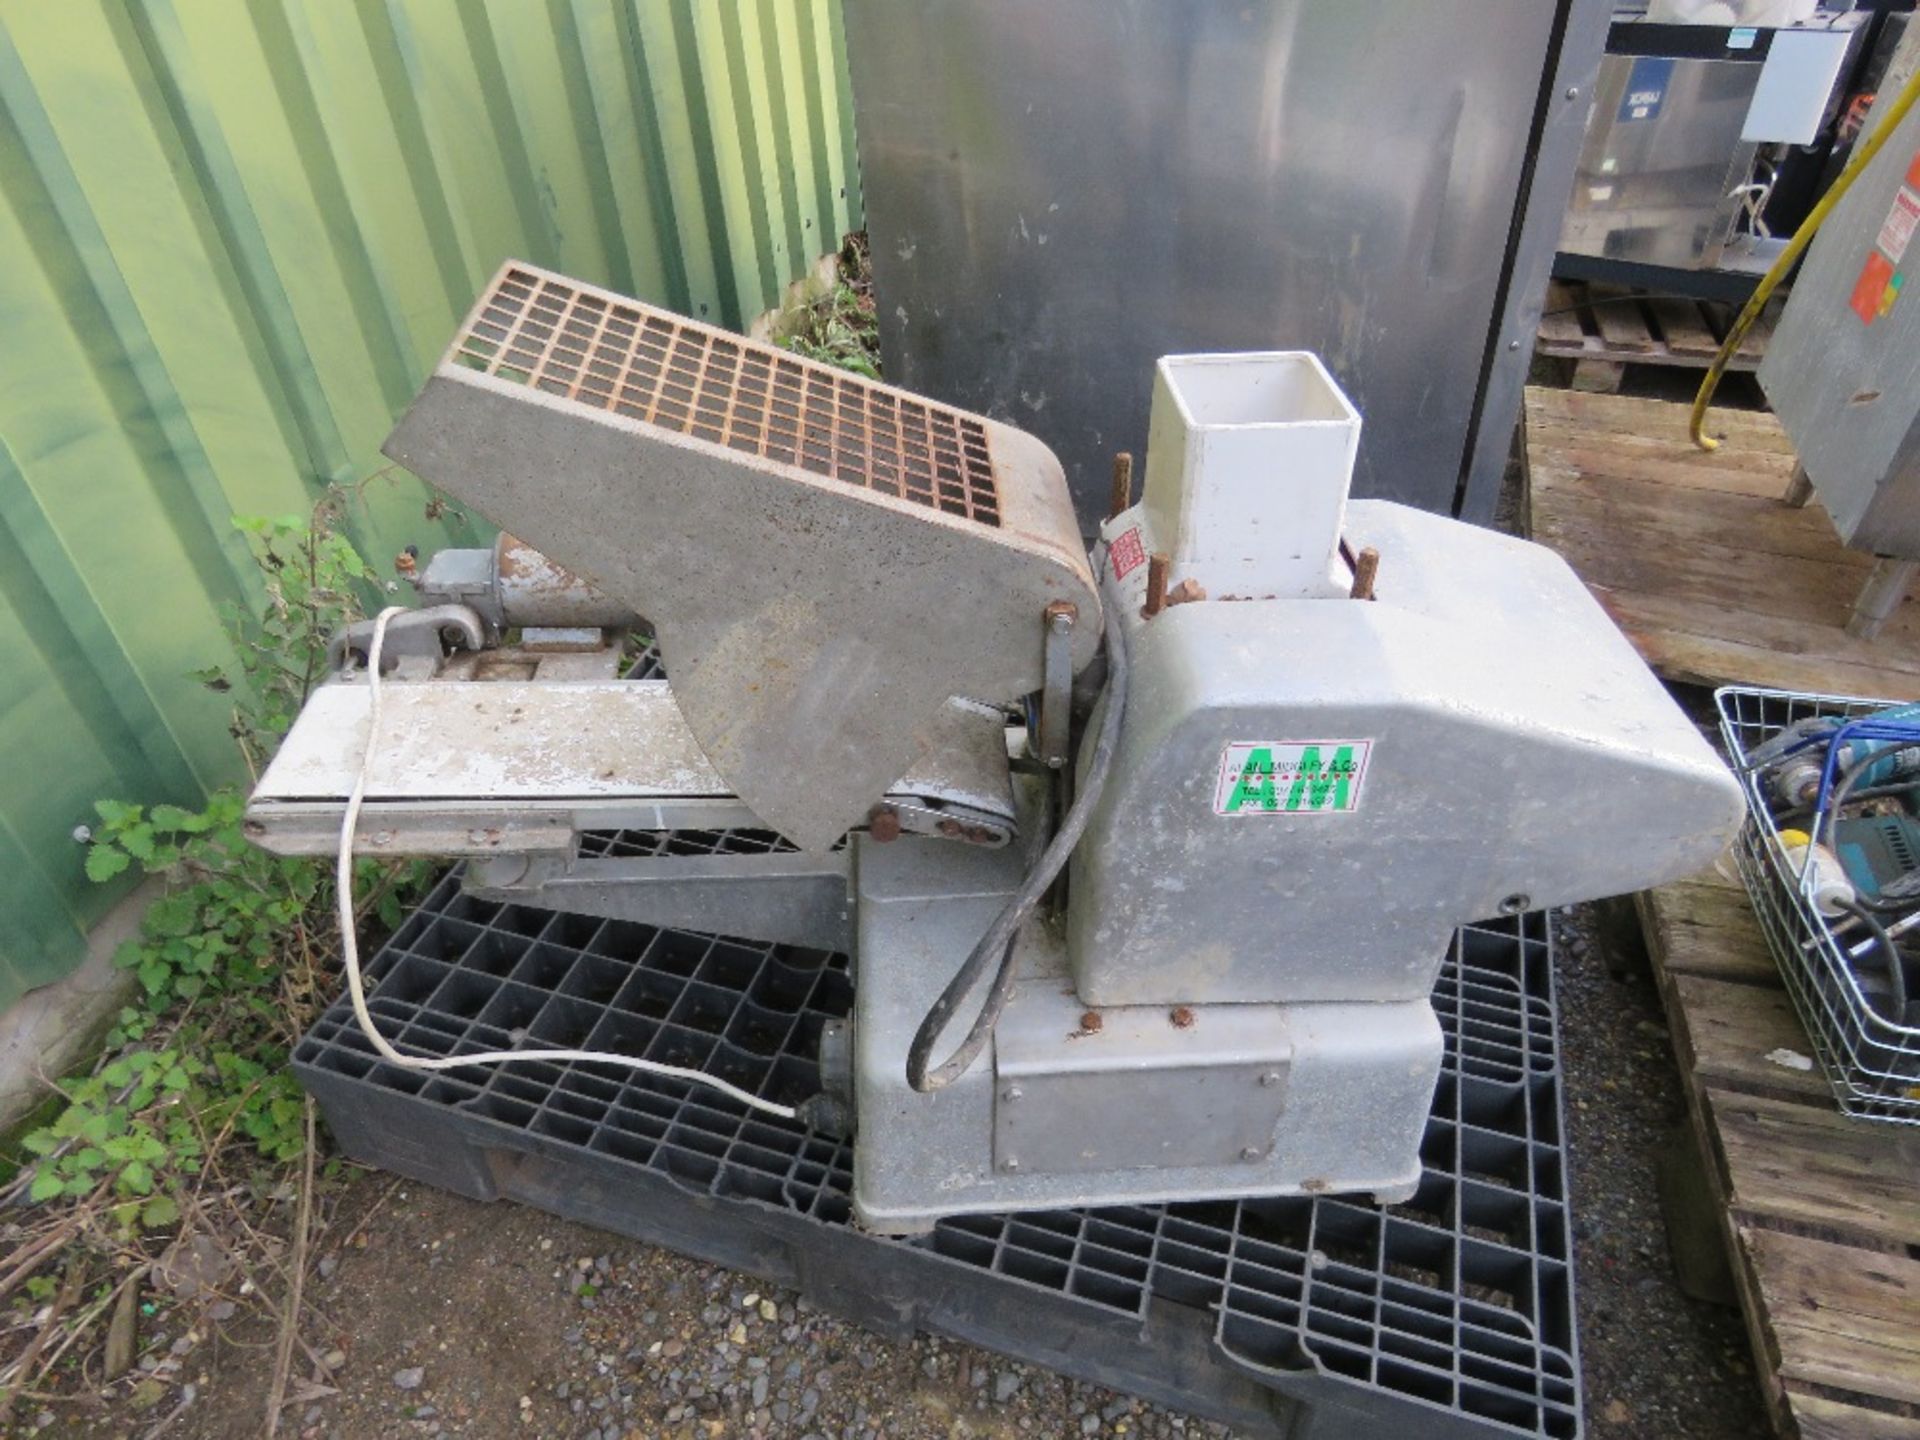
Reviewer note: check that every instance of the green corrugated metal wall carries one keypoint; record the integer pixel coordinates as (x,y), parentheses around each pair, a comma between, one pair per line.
(234,236)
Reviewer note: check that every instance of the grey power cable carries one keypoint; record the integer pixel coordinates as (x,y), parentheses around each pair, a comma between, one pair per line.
(350,946)
(1001,935)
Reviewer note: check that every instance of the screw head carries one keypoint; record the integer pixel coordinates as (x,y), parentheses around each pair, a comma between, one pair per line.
(1516,904)
(1182,1017)
(1010,1163)
(1573,92)
(1012,1092)
(1251,1152)
(1269,1079)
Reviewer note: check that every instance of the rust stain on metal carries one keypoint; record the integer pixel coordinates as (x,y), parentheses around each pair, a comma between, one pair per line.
(1091,1023)
(1157,564)
(650,365)
(1122,498)
(1182,1017)
(1366,569)
(514,559)
(883,824)
(1186,592)
(519,566)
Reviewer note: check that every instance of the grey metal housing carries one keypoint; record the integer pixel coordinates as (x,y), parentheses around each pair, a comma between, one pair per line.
(1848,391)
(1518,753)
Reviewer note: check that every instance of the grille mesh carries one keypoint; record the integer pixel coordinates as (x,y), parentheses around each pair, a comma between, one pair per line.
(651,366)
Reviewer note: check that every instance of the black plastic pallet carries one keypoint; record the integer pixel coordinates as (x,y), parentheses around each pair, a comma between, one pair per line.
(1451,1315)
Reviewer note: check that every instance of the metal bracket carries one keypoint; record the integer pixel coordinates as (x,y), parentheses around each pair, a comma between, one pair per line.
(892,817)
(785,898)
(411,633)
(1056,690)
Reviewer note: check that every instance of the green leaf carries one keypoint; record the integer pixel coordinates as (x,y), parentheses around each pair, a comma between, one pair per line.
(154,977)
(136,1178)
(161,1210)
(46,1185)
(104,862)
(40,1142)
(137,841)
(172,817)
(116,813)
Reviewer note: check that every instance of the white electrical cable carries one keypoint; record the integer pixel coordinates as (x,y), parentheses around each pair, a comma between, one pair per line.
(350,948)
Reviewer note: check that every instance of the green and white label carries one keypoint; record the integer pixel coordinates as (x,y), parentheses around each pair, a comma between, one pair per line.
(1291,777)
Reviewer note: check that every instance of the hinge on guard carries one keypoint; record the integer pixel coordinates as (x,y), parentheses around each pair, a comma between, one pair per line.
(1056,684)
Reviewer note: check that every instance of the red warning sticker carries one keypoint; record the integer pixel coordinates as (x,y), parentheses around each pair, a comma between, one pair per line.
(1129,554)
(1871,289)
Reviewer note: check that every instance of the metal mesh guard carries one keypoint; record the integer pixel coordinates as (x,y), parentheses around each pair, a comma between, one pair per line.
(1872,1062)
(655,367)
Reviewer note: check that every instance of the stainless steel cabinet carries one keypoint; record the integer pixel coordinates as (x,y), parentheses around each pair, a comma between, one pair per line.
(1060,193)
(1661,172)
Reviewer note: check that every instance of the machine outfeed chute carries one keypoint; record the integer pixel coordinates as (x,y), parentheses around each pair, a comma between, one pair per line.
(887,719)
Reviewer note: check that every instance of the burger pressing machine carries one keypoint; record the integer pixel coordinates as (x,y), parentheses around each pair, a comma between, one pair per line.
(1146,862)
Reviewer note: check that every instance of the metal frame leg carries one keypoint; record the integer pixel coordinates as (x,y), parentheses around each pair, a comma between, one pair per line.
(1886,587)
(1799,489)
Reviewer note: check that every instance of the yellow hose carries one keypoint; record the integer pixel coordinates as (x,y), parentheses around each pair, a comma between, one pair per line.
(1763,292)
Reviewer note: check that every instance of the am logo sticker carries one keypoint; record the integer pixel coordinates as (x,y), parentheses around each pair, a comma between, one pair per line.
(1291,777)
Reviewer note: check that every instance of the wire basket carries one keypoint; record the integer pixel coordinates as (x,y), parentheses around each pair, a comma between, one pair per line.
(1872,1063)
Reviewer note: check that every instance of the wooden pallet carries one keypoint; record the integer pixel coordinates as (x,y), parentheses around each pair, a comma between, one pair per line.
(1603,329)
(1715,580)
(1819,1214)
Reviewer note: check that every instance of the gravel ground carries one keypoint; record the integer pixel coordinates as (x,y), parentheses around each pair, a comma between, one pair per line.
(1656,1364)
(443,1317)
(437,1316)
